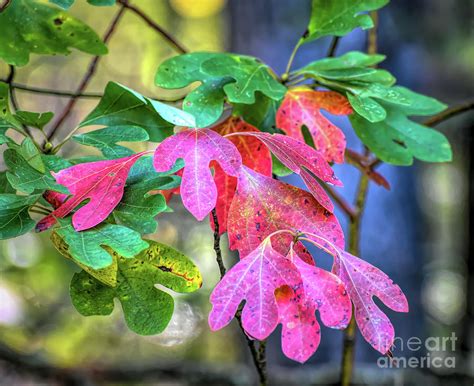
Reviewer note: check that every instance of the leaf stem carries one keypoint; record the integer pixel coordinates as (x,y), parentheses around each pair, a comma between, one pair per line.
(171,39)
(449,113)
(258,355)
(333,46)
(285,76)
(88,76)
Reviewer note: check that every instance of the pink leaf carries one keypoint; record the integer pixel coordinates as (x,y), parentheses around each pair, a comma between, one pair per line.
(364,281)
(300,333)
(101,182)
(263,205)
(254,155)
(198,147)
(302,106)
(253,279)
(303,160)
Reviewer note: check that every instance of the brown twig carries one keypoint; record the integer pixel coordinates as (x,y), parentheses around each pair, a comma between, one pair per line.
(88,76)
(258,355)
(47,91)
(449,113)
(4,5)
(333,47)
(171,40)
(341,202)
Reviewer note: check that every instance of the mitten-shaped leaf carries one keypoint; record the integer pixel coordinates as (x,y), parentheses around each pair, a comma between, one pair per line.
(302,106)
(101,182)
(253,279)
(254,155)
(198,147)
(263,205)
(37,28)
(364,281)
(147,309)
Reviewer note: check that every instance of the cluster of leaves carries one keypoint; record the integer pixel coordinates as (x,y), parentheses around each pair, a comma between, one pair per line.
(240,125)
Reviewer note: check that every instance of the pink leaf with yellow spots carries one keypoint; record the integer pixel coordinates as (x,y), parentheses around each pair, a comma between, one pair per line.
(101,182)
(253,279)
(303,160)
(198,147)
(262,205)
(363,281)
(301,106)
(254,155)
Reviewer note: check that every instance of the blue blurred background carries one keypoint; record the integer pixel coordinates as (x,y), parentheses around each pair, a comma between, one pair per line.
(419,232)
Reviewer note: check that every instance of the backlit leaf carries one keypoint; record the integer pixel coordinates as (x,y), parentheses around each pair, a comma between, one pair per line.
(147,309)
(37,28)
(198,147)
(14,217)
(38,120)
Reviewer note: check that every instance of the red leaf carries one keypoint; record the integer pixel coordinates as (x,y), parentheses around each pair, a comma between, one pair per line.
(263,205)
(198,147)
(254,155)
(303,160)
(302,106)
(101,182)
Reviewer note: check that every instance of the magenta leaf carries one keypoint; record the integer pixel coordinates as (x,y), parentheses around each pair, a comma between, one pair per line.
(253,279)
(198,147)
(263,205)
(303,160)
(364,281)
(300,333)
(101,182)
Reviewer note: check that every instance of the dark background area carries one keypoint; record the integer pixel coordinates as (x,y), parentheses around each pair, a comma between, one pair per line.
(419,232)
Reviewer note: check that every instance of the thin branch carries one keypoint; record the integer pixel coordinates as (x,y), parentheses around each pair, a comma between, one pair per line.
(333,47)
(258,355)
(171,40)
(341,202)
(4,5)
(47,91)
(449,113)
(285,76)
(88,76)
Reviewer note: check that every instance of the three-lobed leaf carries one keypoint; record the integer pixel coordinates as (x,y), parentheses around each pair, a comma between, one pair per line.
(147,309)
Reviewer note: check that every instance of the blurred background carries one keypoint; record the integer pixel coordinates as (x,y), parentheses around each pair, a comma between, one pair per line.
(419,232)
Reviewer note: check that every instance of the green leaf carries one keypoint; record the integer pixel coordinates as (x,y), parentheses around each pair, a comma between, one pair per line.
(397,140)
(144,170)
(419,104)
(348,60)
(86,247)
(206,102)
(147,309)
(30,26)
(260,114)
(138,208)
(340,17)
(14,217)
(66,4)
(55,163)
(30,153)
(24,177)
(5,186)
(38,120)
(250,76)
(121,106)
(106,139)
(107,275)
(7,120)
(367,107)
(238,77)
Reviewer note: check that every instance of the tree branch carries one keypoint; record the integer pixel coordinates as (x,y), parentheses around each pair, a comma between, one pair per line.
(47,91)
(449,113)
(171,40)
(258,355)
(333,47)
(88,76)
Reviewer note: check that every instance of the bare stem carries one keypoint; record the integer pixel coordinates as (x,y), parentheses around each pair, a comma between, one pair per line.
(47,91)
(449,113)
(258,354)
(285,76)
(88,76)
(333,47)
(171,39)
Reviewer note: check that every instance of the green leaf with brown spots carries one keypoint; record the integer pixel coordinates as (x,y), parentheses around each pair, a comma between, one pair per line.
(32,27)
(147,309)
